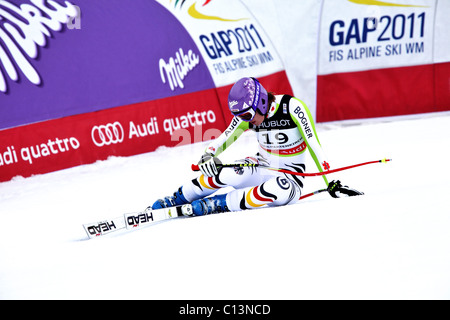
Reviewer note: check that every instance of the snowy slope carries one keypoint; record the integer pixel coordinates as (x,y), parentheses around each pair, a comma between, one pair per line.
(391,243)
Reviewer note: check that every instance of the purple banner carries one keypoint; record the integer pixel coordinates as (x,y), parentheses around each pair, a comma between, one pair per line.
(81,56)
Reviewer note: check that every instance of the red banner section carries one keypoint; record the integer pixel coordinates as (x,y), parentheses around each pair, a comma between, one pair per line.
(442,86)
(383,92)
(123,131)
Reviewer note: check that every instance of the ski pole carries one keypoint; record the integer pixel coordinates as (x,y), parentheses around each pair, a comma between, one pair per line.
(312,193)
(195,167)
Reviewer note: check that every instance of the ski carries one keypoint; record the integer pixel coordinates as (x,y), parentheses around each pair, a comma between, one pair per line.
(100,228)
(135,220)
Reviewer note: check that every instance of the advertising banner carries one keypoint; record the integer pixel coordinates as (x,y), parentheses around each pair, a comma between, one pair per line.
(358,36)
(91,55)
(376,58)
(442,56)
(82,80)
(80,139)
(232,42)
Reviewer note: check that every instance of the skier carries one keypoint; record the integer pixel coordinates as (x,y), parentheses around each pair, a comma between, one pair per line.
(284,129)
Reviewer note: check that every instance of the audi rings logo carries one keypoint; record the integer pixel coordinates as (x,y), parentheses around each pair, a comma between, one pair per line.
(105,135)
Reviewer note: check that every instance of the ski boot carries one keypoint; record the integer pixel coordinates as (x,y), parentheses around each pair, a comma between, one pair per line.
(177,199)
(211,205)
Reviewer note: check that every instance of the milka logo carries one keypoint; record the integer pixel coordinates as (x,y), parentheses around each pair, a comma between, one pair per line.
(177,68)
(22,29)
(232,103)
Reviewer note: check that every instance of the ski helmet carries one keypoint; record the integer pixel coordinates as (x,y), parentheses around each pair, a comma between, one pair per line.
(247,94)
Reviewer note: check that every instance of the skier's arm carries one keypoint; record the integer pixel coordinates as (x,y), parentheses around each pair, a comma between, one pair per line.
(209,164)
(230,135)
(305,123)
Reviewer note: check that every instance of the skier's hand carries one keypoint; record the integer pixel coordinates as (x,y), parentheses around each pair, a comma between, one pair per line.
(337,190)
(209,165)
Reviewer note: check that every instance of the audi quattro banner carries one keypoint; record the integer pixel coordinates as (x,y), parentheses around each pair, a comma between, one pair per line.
(70,141)
(375,58)
(83,80)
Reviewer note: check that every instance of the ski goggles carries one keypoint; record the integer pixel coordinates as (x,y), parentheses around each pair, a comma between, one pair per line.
(246,115)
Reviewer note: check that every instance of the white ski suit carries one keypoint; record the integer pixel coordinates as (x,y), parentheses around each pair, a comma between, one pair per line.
(283,137)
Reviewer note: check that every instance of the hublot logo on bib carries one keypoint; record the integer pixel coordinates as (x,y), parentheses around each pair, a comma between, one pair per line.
(275,124)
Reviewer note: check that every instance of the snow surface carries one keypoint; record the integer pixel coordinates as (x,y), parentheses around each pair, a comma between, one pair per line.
(391,243)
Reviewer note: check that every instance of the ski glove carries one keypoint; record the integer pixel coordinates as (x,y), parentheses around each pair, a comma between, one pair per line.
(209,165)
(337,190)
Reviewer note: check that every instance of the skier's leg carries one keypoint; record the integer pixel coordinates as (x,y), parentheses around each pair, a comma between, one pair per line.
(277,191)
(203,186)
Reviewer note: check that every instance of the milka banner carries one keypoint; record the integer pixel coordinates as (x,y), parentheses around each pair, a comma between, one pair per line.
(59,58)
(81,80)
(69,57)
